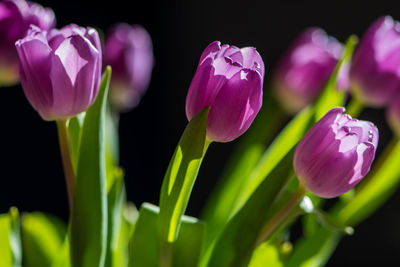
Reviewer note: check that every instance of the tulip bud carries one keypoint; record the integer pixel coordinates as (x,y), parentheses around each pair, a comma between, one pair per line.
(305,68)
(335,154)
(15,18)
(60,70)
(393,115)
(375,67)
(129,51)
(228,80)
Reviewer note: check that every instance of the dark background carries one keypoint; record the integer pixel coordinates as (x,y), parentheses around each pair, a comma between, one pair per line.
(32,176)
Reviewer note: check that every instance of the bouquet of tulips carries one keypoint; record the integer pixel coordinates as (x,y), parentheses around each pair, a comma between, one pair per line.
(279,174)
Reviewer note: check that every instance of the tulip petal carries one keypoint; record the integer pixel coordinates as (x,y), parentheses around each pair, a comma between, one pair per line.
(35,54)
(252,60)
(235,106)
(74,74)
(200,95)
(210,50)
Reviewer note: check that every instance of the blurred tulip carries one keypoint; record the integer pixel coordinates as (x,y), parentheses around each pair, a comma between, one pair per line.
(229,80)
(129,51)
(15,18)
(60,70)
(375,68)
(305,69)
(335,154)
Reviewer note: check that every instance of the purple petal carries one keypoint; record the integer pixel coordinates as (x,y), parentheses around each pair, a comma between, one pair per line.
(35,59)
(235,106)
(74,75)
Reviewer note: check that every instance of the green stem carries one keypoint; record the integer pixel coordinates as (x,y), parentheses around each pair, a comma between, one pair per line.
(280,215)
(66,158)
(354,107)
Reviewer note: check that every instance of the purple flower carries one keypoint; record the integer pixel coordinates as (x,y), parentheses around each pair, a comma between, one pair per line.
(129,51)
(335,154)
(60,70)
(393,115)
(229,80)
(15,18)
(375,68)
(305,69)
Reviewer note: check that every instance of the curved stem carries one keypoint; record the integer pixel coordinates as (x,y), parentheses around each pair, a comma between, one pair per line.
(280,215)
(66,159)
(354,107)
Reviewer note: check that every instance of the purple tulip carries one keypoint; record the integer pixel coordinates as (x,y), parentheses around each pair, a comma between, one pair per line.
(15,18)
(60,70)
(375,68)
(129,51)
(305,69)
(335,154)
(393,115)
(229,80)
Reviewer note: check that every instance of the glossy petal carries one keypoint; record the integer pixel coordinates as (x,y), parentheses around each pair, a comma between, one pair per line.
(35,55)
(335,154)
(235,106)
(60,71)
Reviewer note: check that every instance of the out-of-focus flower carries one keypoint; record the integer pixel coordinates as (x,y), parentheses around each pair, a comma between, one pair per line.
(375,67)
(129,51)
(15,18)
(335,154)
(229,80)
(393,115)
(343,81)
(60,70)
(305,68)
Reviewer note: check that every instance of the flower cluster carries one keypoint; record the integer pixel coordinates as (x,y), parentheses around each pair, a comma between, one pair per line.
(60,71)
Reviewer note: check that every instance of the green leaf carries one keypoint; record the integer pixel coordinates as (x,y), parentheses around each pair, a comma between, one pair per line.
(74,131)
(111,146)
(266,255)
(116,200)
(236,243)
(286,140)
(10,239)
(181,175)
(15,236)
(88,233)
(235,177)
(42,239)
(330,97)
(314,251)
(144,242)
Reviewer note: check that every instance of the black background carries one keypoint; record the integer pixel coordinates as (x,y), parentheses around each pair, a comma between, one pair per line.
(31,173)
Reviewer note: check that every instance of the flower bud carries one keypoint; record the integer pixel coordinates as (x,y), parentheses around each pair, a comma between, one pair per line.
(375,67)
(335,154)
(228,80)
(305,68)
(15,18)
(129,51)
(60,70)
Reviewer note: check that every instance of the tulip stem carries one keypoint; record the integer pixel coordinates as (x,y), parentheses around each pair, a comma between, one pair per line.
(66,159)
(354,107)
(275,221)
